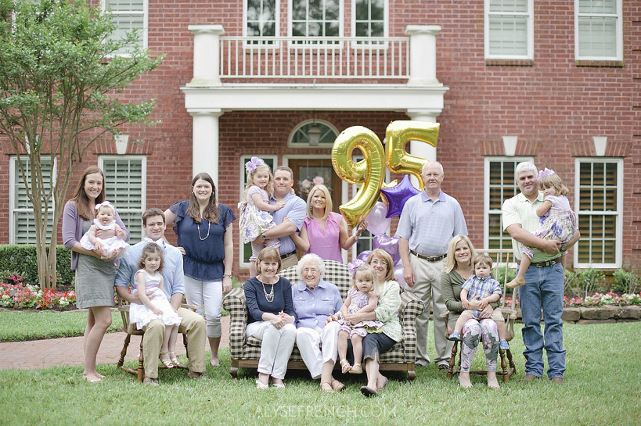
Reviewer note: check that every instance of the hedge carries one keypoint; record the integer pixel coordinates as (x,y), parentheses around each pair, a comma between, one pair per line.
(21,259)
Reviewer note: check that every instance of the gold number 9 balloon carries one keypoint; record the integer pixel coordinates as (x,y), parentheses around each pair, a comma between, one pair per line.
(369,172)
(398,133)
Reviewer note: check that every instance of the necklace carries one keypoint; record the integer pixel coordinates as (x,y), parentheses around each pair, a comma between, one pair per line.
(208,229)
(268,296)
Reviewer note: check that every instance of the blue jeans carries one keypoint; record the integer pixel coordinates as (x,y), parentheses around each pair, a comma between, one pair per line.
(544,290)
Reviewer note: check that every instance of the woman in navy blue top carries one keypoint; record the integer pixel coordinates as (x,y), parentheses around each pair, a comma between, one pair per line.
(205,239)
(271,318)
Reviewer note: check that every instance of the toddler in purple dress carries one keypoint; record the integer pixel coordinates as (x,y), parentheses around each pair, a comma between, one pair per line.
(362,298)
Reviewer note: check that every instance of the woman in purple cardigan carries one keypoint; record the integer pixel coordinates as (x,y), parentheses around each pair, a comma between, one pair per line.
(94,282)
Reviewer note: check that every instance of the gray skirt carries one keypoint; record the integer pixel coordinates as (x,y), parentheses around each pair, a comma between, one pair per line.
(94,282)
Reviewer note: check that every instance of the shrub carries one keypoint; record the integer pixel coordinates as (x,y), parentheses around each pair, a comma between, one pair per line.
(571,281)
(625,281)
(21,259)
(591,280)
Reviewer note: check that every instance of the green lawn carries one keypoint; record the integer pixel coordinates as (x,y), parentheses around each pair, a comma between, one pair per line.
(602,386)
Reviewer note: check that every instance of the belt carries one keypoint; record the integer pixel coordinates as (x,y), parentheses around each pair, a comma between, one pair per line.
(286,255)
(546,263)
(429,258)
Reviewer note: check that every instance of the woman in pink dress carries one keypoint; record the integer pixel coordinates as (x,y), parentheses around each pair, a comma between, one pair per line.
(324,232)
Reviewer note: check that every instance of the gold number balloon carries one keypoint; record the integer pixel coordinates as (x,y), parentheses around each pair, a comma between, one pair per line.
(398,133)
(369,172)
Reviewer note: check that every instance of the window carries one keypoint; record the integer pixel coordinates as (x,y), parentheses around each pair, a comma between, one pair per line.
(599,205)
(598,29)
(126,189)
(128,15)
(271,161)
(316,18)
(261,18)
(500,184)
(22,228)
(301,138)
(369,18)
(509,29)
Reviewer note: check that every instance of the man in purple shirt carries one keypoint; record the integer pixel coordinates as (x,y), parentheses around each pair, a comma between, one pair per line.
(428,222)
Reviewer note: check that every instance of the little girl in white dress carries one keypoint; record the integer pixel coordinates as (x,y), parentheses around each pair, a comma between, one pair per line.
(105,221)
(149,279)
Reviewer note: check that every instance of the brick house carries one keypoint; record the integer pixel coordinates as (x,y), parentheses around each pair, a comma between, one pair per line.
(555,82)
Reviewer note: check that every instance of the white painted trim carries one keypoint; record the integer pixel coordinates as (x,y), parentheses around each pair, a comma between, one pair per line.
(619,228)
(600,145)
(341,20)
(145,23)
(509,145)
(290,144)
(385,13)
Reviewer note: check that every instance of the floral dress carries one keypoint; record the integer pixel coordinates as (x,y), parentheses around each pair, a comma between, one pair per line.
(558,224)
(358,301)
(253,221)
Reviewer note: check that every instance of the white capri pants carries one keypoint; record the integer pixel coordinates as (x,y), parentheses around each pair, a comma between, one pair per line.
(276,348)
(308,341)
(208,296)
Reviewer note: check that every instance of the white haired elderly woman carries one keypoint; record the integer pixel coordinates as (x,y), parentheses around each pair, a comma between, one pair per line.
(315,300)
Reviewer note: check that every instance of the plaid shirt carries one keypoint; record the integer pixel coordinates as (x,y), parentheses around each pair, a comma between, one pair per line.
(482,287)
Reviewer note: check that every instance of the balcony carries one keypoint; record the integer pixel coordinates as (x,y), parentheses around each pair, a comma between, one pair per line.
(317,60)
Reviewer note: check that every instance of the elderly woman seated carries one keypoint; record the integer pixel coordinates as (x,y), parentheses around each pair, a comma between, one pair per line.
(314,301)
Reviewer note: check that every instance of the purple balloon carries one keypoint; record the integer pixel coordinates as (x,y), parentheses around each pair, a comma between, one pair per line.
(364,255)
(398,275)
(377,221)
(387,243)
(398,195)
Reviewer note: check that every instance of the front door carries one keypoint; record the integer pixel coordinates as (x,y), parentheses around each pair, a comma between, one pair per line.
(314,171)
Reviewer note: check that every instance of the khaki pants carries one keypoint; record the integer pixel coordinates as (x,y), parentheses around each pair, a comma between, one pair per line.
(428,288)
(193,325)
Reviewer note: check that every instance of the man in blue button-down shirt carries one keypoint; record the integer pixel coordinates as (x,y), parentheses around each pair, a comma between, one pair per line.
(153,224)
(428,222)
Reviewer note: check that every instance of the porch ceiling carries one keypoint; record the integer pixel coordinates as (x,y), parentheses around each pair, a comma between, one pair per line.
(380,97)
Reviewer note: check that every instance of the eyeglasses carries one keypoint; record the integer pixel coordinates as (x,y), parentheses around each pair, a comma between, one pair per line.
(310,271)
(378,262)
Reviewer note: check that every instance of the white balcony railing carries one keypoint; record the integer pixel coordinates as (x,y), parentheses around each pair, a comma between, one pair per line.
(220,59)
(309,58)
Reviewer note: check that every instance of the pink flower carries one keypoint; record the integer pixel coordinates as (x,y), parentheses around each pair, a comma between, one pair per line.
(318,180)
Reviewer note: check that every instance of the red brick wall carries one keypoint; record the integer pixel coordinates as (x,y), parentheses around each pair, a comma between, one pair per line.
(552,105)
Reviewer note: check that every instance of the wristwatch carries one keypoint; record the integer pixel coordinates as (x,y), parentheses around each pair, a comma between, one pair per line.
(264,236)
(562,247)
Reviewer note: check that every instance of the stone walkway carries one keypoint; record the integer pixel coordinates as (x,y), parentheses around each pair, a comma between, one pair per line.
(68,351)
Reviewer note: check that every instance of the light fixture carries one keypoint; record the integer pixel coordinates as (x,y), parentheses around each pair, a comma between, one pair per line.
(314,133)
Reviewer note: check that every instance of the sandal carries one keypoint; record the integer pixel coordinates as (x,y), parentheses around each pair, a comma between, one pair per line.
(337,386)
(174,360)
(166,361)
(356,369)
(345,367)
(326,387)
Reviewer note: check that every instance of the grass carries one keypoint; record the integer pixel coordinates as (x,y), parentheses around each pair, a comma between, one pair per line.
(19,325)
(602,386)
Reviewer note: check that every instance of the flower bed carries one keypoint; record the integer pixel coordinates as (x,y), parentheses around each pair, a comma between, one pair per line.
(18,296)
(601,299)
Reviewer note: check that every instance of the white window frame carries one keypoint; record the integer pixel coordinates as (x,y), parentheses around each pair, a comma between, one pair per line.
(269,42)
(13,169)
(364,43)
(302,44)
(619,213)
(143,189)
(486,193)
(241,190)
(619,34)
(145,23)
(530,34)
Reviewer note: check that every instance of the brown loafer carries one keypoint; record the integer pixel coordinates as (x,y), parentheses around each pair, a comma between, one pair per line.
(195,375)
(529,378)
(557,380)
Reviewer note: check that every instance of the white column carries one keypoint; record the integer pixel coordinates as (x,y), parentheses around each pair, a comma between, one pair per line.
(423,54)
(206,54)
(419,148)
(206,142)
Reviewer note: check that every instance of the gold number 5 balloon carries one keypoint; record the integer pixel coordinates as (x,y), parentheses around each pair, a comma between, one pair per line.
(369,172)
(398,133)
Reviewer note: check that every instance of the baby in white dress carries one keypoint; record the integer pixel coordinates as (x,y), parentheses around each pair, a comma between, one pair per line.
(105,221)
